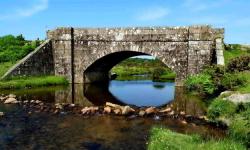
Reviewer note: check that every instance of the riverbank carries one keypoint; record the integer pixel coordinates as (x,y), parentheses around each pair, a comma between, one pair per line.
(221,109)
(165,139)
(31,82)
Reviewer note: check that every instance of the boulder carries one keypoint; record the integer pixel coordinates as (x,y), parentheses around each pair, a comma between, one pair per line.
(114,105)
(107,110)
(151,110)
(239,98)
(58,106)
(142,113)
(37,101)
(1,114)
(127,110)
(10,100)
(182,113)
(3,98)
(89,110)
(184,122)
(171,113)
(12,96)
(226,93)
(117,111)
(165,110)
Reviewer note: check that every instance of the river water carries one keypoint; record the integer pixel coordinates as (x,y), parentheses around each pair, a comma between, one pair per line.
(21,130)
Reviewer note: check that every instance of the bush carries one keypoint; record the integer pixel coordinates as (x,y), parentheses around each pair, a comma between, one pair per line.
(241,63)
(158,72)
(232,81)
(240,126)
(201,83)
(221,108)
(14,48)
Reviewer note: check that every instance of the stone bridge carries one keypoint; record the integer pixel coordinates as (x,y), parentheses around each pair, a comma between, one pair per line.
(85,55)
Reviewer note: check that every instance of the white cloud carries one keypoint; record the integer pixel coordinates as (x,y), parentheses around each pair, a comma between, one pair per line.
(152,13)
(202,5)
(39,5)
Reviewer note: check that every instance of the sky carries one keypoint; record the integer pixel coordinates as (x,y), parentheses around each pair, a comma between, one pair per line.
(33,18)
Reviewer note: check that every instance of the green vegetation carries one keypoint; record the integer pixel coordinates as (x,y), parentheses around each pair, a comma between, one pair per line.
(14,48)
(216,79)
(213,80)
(5,66)
(165,139)
(237,117)
(30,82)
(221,108)
(154,68)
(235,50)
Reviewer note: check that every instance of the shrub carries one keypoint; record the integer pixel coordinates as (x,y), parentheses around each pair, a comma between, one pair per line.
(201,83)
(240,126)
(158,72)
(220,108)
(232,81)
(241,63)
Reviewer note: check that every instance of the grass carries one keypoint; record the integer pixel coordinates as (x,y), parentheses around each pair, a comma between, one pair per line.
(164,139)
(233,52)
(246,88)
(221,108)
(30,82)
(5,66)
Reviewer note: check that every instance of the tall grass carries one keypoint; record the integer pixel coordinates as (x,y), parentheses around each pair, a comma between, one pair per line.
(29,82)
(5,66)
(164,139)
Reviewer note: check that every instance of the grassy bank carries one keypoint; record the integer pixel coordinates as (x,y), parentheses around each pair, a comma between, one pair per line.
(235,76)
(30,82)
(5,66)
(164,139)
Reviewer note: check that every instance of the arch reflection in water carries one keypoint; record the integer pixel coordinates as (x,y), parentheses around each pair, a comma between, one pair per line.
(92,94)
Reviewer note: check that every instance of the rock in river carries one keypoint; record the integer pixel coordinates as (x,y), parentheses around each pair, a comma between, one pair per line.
(127,110)
(107,110)
(150,110)
(10,100)
(1,114)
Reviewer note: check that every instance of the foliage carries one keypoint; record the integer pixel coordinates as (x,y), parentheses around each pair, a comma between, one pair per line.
(139,66)
(246,88)
(201,83)
(239,128)
(14,48)
(165,139)
(215,79)
(233,51)
(4,67)
(221,108)
(28,82)
(232,81)
(241,63)
(158,72)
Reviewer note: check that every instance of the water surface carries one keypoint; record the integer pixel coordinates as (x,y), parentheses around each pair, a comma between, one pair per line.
(21,130)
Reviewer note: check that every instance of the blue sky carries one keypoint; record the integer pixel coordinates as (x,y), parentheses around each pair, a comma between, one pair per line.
(33,17)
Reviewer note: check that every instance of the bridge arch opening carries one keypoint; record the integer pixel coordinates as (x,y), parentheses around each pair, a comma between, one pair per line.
(99,71)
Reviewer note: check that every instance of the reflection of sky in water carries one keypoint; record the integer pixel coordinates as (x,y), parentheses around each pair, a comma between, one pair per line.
(143,93)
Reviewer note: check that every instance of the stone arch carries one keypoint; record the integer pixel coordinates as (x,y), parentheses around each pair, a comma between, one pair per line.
(98,69)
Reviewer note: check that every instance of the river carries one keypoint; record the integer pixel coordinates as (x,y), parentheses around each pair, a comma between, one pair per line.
(22,130)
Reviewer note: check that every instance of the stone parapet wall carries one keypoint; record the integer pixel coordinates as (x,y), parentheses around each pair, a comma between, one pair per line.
(37,63)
